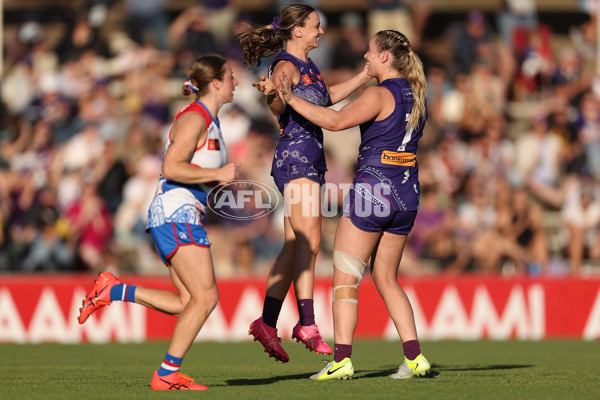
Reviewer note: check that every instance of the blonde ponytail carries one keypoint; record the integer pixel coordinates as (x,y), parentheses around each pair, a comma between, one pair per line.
(416,77)
(408,63)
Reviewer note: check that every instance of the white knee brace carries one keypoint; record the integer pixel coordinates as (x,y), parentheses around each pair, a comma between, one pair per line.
(350,265)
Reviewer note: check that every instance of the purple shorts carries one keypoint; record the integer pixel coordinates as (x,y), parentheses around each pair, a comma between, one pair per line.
(370,207)
(294,170)
(169,237)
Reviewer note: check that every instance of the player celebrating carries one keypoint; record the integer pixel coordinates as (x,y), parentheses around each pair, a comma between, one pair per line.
(298,167)
(380,209)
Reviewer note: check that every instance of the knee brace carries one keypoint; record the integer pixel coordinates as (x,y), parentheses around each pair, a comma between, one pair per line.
(350,265)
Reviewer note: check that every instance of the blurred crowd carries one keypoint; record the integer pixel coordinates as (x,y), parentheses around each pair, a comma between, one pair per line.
(509,162)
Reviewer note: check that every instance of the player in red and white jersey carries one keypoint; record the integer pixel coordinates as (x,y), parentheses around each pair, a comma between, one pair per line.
(194,160)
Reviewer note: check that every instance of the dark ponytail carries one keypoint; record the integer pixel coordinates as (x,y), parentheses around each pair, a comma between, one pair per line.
(265,41)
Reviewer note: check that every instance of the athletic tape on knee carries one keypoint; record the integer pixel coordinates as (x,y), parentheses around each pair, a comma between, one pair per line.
(348,293)
(349,264)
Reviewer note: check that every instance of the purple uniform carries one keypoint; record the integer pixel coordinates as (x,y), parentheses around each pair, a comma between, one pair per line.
(385,190)
(299,153)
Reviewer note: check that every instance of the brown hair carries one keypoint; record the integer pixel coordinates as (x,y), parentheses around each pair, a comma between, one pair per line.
(410,66)
(203,70)
(268,40)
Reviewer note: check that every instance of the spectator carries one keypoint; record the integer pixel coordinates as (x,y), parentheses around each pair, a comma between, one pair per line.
(433,234)
(407,16)
(49,251)
(521,221)
(467,40)
(532,48)
(352,45)
(147,22)
(516,14)
(588,131)
(221,16)
(581,222)
(477,229)
(570,78)
(190,36)
(539,153)
(80,38)
(90,226)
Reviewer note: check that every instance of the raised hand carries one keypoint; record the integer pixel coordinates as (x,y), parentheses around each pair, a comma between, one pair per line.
(285,92)
(265,86)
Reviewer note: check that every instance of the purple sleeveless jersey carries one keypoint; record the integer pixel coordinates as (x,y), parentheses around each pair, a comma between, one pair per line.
(387,182)
(301,141)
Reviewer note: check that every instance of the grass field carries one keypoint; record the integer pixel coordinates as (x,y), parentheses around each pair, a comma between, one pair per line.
(461,370)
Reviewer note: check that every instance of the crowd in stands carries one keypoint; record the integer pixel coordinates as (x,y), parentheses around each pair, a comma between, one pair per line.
(509,162)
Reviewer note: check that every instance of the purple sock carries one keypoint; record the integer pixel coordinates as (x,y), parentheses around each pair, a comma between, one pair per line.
(306,312)
(411,349)
(271,310)
(342,351)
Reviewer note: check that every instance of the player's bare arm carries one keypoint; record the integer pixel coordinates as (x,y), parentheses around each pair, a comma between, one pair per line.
(342,90)
(367,107)
(293,75)
(187,134)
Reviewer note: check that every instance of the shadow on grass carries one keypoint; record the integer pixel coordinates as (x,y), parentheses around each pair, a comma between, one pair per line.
(266,381)
(433,373)
(385,373)
(435,370)
(481,367)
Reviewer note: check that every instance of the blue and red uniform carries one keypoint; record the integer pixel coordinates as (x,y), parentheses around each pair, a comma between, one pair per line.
(175,215)
(385,191)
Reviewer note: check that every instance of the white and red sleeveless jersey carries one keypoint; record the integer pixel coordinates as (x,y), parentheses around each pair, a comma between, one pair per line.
(184,202)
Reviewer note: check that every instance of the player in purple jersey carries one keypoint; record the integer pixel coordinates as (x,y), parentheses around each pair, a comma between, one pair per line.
(381,207)
(298,167)
(190,165)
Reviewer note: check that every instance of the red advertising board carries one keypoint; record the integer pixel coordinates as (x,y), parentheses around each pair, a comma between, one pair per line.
(44,308)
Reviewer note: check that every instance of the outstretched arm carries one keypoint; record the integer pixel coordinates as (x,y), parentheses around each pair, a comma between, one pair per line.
(269,87)
(342,90)
(367,107)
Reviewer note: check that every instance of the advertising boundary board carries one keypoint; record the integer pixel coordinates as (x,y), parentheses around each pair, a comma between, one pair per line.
(44,308)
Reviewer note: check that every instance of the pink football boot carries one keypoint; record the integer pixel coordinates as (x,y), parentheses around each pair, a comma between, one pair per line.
(310,336)
(267,336)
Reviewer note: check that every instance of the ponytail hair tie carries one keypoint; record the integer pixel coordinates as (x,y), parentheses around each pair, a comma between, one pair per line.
(188,83)
(275,24)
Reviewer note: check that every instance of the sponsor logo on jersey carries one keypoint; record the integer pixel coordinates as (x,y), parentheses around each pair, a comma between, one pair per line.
(214,144)
(407,93)
(395,158)
(308,79)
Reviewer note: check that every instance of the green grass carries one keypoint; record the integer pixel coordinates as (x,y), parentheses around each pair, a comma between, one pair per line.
(461,370)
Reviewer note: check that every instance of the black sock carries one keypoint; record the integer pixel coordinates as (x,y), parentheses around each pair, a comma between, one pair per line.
(271,310)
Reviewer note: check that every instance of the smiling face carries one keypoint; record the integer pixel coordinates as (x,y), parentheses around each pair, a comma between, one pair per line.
(311,30)
(372,56)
